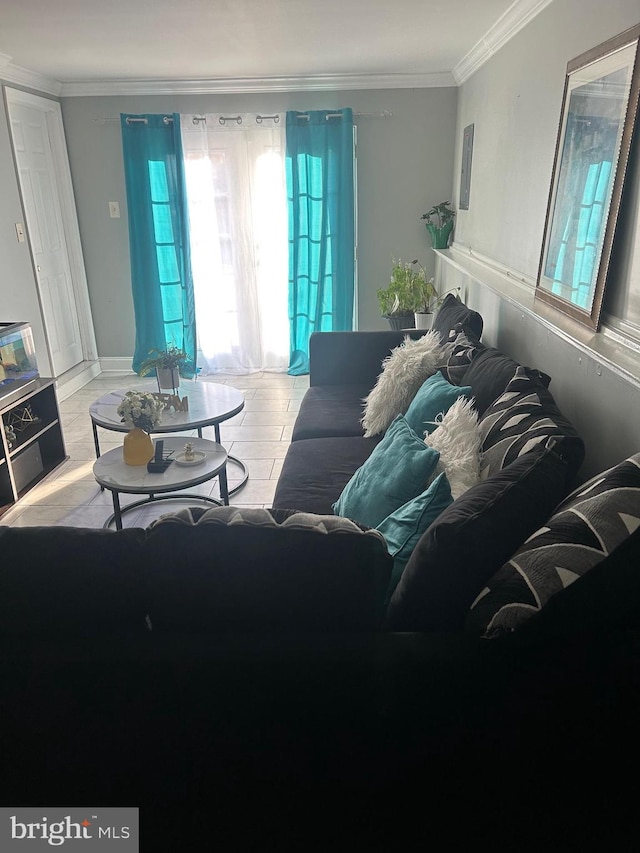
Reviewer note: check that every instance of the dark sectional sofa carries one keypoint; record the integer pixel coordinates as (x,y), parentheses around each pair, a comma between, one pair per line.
(481,530)
(238,680)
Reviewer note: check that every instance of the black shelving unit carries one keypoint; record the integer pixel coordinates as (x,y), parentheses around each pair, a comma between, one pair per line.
(37,448)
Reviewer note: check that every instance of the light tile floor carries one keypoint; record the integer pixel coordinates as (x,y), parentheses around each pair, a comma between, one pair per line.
(259,435)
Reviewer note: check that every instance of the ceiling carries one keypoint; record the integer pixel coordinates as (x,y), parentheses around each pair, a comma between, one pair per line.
(85,46)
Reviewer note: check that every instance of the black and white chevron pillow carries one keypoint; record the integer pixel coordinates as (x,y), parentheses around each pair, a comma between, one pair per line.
(585,528)
(457,354)
(522,417)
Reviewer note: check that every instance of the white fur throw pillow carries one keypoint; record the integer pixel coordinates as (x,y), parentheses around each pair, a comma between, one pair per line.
(457,437)
(403,372)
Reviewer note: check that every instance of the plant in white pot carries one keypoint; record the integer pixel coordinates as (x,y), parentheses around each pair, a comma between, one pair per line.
(426,298)
(167,364)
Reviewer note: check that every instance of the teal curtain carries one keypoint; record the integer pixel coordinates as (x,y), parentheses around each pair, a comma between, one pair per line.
(161,278)
(319,171)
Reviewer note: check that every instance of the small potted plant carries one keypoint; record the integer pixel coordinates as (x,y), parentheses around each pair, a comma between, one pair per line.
(426,298)
(167,364)
(397,300)
(439,224)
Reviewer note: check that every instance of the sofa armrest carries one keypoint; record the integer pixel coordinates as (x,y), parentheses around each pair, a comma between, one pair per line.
(352,358)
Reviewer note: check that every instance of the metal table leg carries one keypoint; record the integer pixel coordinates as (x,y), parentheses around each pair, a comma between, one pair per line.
(224,485)
(236,461)
(96,444)
(95,439)
(117,513)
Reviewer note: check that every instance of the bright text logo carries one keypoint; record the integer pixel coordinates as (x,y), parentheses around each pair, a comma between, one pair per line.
(36,829)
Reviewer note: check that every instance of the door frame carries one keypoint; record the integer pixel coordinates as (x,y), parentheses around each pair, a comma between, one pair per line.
(64,186)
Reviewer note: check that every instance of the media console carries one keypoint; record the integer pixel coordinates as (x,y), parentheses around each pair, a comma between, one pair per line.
(31,440)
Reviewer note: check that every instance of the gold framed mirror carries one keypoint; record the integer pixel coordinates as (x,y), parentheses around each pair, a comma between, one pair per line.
(597,119)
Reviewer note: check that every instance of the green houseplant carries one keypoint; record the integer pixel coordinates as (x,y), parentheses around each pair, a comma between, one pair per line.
(439,224)
(397,300)
(411,299)
(167,364)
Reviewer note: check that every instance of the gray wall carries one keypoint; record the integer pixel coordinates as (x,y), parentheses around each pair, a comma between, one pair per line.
(514,102)
(405,165)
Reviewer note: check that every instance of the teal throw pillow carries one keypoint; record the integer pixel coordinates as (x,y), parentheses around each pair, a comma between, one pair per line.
(398,469)
(404,527)
(434,397)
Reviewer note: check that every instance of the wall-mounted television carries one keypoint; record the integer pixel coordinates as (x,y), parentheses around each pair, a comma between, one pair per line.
(18,363)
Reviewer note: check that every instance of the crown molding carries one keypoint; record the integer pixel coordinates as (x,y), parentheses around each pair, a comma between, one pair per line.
(251,85)
(11,73)
(505,28)
(514,19)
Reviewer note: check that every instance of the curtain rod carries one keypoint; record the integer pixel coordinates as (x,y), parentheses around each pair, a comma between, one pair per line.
(238,119)
(134,120)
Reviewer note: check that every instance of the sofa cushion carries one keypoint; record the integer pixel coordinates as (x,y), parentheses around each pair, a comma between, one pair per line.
(403,372)
(523,416)
(350,358)
(398,469)
(328,410)
(72,581)
(472,538)
(457,440)
(404,527)
(585,528)
(434,398)
(458,353)
(488,374)
(239,569)
(454,312)
(316,470)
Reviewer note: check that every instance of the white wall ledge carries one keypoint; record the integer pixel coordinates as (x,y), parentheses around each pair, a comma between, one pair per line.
(619,354)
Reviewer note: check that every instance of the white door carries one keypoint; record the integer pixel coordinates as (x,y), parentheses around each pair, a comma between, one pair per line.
(46,234)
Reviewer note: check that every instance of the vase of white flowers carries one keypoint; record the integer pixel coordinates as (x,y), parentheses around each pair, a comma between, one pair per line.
(140,412)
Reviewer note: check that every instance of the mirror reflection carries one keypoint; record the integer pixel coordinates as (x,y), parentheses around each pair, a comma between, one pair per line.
(585,191)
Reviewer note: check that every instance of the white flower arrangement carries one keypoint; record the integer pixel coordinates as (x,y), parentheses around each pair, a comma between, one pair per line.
(140,409)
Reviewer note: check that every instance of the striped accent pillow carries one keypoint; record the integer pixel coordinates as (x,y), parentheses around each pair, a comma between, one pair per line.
(524,416)
(585,528)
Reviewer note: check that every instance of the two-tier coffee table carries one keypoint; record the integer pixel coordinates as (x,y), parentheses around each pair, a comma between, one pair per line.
(210,404)
(112,473)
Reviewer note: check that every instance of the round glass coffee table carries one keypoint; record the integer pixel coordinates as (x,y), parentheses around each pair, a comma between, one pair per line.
(112,473)
(210,404)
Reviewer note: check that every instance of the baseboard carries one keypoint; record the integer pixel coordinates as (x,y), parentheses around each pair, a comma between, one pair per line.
(120,363)
(76,378)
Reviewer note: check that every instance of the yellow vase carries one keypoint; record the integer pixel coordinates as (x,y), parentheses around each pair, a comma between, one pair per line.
(137,448)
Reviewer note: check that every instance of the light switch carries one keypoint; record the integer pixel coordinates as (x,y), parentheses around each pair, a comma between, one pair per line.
(20,232)
(114,209)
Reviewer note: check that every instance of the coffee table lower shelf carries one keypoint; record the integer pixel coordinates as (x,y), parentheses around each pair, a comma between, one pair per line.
(112,473)
(116,515)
